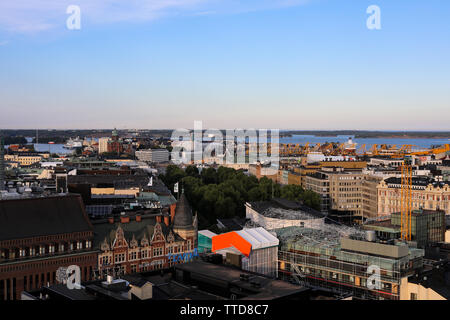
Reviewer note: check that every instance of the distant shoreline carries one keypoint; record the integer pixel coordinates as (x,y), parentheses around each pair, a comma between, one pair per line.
(61,135)
(368,134)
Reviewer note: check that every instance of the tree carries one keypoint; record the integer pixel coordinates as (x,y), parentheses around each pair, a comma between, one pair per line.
(209,176)
(192,171)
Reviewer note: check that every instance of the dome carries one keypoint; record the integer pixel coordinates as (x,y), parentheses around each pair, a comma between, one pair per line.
(183,214)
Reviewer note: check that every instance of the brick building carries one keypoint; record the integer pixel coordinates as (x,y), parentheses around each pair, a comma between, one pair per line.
(147,242)
(40,235)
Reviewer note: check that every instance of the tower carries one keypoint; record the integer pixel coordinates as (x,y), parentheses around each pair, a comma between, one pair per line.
(184,223)
(406,201)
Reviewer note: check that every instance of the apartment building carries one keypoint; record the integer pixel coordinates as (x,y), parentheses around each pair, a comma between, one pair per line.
(346,191)
(24,159)
(426,194)
(153,155)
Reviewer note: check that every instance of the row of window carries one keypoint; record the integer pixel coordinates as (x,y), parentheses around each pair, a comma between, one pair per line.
(134,255)
(45,249)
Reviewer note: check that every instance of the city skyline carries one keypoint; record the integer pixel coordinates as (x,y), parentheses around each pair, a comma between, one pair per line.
(304,65)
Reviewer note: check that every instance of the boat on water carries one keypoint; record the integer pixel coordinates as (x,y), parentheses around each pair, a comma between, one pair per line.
(73,143)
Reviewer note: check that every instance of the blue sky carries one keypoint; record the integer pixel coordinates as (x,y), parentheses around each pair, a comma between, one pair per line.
(263,64)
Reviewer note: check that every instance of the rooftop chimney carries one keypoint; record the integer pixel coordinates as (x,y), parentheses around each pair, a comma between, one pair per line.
(124,219)
(166,220)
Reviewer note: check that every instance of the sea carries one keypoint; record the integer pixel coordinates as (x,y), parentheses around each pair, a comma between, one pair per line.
(299,139)
(369,142)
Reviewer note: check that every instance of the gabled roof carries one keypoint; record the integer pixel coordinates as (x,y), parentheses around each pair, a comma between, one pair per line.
(245,240)
(33,217)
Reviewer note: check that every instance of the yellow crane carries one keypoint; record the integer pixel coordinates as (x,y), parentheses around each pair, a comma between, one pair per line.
(406,199)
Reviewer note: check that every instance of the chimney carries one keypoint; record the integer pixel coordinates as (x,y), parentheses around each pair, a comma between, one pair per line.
(172,211)
(111,220)
(138,218)
(166,220)
(124,219)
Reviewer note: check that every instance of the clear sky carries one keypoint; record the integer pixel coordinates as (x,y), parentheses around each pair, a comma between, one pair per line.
(287,64)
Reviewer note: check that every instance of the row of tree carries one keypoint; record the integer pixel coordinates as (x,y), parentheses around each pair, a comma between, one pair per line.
(222,193)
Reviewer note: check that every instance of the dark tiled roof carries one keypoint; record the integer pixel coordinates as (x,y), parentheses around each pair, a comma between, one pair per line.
(158,187)
(417,181)
(183,213)
(24,218)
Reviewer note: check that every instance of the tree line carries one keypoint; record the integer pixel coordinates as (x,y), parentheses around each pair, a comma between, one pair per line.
(222,193)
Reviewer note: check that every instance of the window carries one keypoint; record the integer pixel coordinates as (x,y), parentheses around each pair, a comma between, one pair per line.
(41,250)
(120,257)
(157,252)
(413,296)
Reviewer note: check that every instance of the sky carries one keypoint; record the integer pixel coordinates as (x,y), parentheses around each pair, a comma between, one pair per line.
(276,64)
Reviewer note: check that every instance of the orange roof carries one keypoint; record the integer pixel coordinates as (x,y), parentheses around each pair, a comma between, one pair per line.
(231,239)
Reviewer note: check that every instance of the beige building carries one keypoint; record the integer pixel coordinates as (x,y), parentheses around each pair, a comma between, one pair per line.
(415,291)
(23,160)
(103,145)
(426,195)
(320,184)
(346,191)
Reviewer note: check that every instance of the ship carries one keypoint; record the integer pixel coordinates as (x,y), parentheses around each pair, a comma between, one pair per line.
(73,143)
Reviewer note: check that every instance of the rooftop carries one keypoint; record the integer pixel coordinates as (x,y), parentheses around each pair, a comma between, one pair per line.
(285,209)
(43,216)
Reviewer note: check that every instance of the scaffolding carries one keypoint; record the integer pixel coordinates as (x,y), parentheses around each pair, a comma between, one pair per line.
(314,258)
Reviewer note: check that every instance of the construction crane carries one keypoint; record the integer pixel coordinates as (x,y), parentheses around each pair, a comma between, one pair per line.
(406,198)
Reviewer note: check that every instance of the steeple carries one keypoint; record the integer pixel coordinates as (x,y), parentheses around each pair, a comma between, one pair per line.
(183,214)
